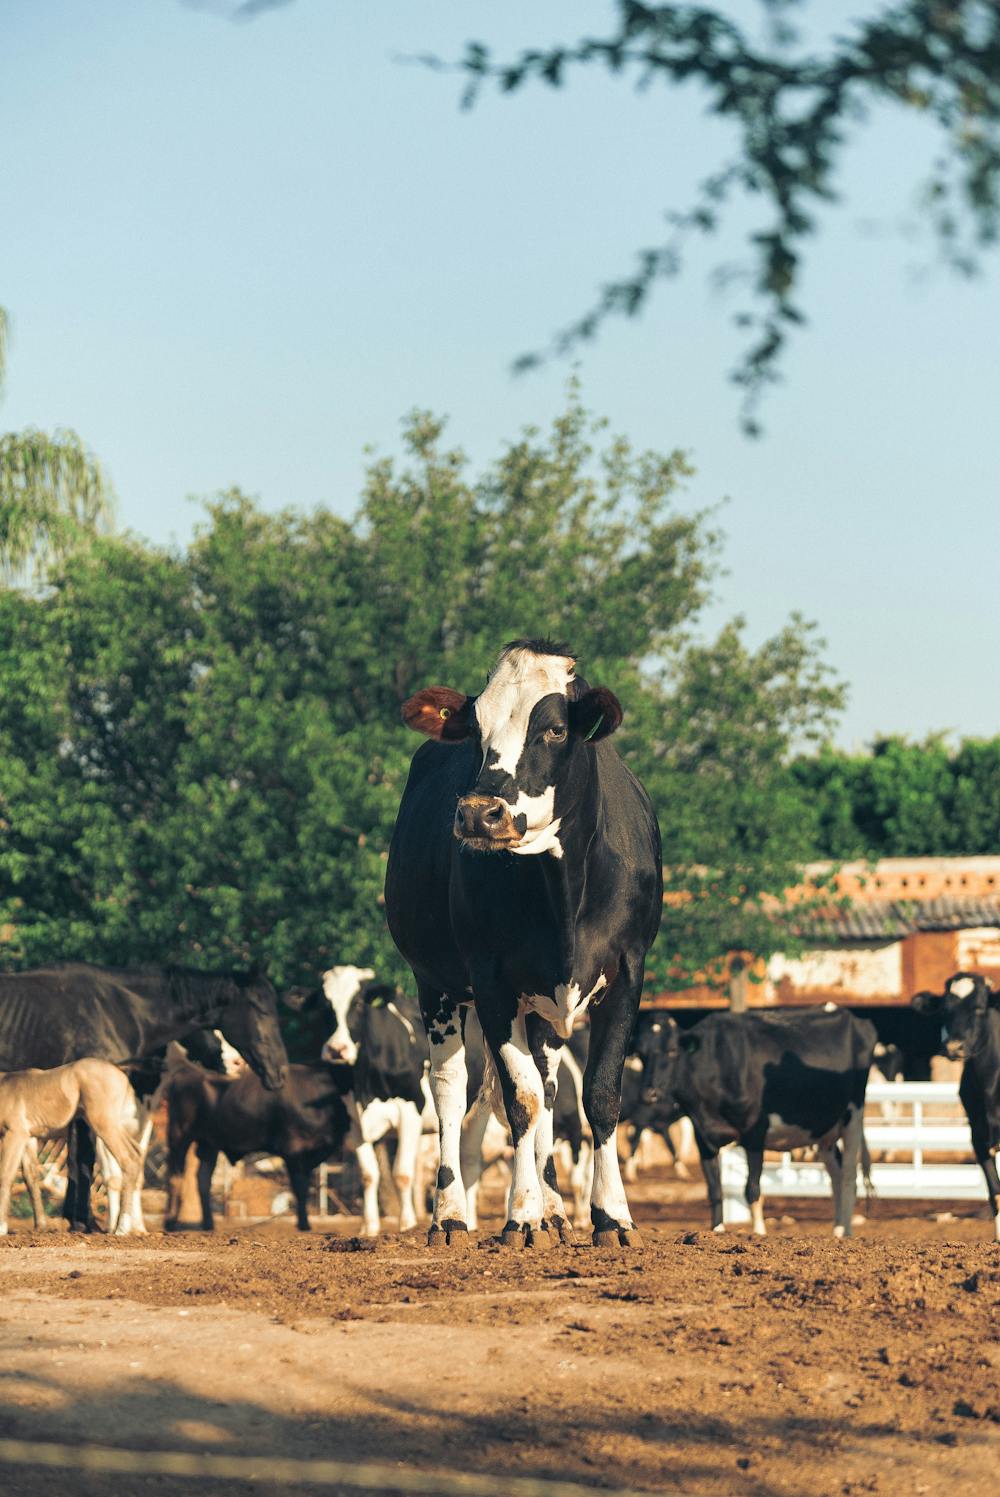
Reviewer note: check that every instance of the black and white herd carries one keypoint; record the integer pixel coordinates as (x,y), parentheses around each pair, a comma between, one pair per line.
(523,889)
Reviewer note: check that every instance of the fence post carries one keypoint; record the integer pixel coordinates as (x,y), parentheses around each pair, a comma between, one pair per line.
(737,985)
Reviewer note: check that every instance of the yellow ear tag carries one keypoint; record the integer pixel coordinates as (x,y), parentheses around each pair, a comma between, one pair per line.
(444,711)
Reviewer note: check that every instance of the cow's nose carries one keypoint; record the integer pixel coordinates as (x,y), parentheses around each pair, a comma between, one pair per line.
(484,818)
(955,1050)
(650,1096)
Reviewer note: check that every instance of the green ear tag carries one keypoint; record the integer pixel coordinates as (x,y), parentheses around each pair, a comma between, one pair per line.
(594,728)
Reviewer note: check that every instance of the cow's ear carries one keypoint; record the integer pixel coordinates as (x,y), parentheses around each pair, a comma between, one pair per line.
(690,1041)
(926,1003)
(595,713)
(440,713)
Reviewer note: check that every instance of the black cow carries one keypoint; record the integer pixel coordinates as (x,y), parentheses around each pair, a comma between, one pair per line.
(375,1030)
(767,1081)
(968,1012)
(524,874)
(304,1122)
(72,1010)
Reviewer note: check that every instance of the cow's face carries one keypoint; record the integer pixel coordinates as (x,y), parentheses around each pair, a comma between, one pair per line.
(533,723)
(341,985)
(962,1010)
(657,1047)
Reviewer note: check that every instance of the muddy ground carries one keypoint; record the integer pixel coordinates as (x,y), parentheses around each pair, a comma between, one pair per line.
(701,1364)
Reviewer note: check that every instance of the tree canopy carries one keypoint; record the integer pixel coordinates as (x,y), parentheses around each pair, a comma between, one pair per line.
(53,494)
(204,750)
(794,105)
(904,799)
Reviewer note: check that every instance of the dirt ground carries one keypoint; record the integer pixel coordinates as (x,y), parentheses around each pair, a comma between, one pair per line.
(701,1364)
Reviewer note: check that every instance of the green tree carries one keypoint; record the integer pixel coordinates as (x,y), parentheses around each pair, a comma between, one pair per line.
(904,799)
(205,750)
(975,802)
(794,108)
(53,494)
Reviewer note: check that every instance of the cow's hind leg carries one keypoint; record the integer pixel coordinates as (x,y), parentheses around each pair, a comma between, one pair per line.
(755,1165)
(842,1167)
(473,1138)
(547,1051)
(444,1021)
(989,1168)
(611,1029)
(712,1171)
(404,1169)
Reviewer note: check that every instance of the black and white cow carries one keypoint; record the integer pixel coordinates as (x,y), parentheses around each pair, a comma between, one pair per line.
(524,875)
(768,1081)
(969,1014)
(376,1031)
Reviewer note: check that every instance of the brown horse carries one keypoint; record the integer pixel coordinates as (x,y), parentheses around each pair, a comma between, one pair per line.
(38,1104)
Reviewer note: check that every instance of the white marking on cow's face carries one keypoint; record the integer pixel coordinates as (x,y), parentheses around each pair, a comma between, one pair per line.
(568,1006)
(633,1063)
(542,831)
(340,985)
(961,987)
(503,708)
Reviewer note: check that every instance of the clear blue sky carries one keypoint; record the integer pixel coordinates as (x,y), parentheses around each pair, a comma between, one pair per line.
(237,254)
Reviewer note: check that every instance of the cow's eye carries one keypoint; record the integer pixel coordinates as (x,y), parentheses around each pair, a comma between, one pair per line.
(555,735)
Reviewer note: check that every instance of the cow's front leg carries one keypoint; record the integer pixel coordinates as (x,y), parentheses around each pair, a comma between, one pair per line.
(523,1100)
(547,1049)
(445,1026)
(611,1028)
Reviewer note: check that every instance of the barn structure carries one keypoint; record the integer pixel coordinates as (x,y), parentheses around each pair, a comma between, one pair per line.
(891,929)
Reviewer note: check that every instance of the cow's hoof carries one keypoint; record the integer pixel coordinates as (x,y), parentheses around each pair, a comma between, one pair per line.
(719,1227)
(451,1235)
(616,1237)
(521,1235)
(562,1228)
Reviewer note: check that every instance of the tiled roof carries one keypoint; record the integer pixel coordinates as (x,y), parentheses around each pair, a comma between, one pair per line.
(888,919)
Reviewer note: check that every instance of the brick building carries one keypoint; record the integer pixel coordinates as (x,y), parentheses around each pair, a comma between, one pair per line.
(907,925)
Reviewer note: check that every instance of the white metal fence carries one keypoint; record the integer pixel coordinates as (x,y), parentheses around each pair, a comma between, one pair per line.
(904,1123)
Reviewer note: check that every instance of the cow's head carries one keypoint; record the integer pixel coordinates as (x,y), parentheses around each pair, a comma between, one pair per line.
(534,722)
(962,1010)
(341,985)
(657,1045)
